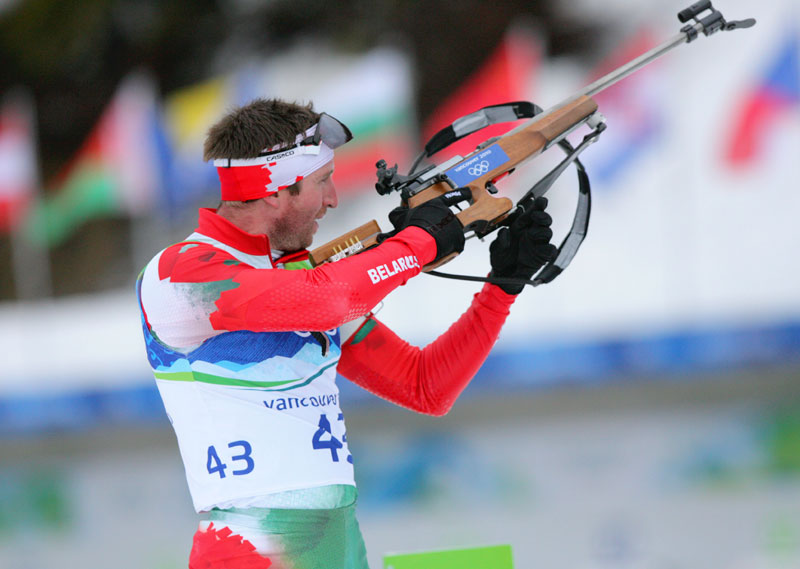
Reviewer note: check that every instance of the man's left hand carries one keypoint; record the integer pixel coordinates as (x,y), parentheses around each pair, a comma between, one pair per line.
(435,217)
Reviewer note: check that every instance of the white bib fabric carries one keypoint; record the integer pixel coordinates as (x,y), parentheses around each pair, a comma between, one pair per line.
(239,443)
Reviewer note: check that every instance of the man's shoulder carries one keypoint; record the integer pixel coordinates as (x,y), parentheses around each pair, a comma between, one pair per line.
(194,260)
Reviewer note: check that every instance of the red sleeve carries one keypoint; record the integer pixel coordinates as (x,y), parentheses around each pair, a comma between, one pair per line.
(265,300)
(427,380)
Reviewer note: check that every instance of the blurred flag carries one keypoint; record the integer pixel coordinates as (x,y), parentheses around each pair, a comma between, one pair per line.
(189,113)
(505,76)
(633,109)
(18,166)
(762,109)
(117,171)
(372,94)
(379,112)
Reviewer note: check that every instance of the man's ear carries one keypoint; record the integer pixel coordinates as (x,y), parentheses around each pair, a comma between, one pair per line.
(272,200)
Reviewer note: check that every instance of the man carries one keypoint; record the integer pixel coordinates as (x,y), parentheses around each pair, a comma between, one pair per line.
(244,340)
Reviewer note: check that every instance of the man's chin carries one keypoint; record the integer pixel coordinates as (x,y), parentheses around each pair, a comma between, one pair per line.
(306,241)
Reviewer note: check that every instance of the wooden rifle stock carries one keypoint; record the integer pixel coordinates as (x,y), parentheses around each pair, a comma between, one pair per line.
(352,242)
(520,144)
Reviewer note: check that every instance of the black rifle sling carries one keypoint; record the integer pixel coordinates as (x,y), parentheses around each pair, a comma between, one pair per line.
(475,121)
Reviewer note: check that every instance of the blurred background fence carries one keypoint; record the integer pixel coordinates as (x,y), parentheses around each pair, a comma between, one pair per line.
(641,411)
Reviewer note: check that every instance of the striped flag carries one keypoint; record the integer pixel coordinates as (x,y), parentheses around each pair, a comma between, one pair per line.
(188,113)
(116,171)
(762,109)
(633,109)
(379,112)
(18,165)
(505,76)
(372,94)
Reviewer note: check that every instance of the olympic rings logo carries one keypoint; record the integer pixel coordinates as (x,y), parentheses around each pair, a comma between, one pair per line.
(479,169)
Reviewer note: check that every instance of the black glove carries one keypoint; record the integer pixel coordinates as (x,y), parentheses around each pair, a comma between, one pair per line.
(521,250)
(435,217)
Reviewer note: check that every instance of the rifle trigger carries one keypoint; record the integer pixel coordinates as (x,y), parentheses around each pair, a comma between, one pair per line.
(491,188)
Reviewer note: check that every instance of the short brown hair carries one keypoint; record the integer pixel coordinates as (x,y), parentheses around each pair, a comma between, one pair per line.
(246,131)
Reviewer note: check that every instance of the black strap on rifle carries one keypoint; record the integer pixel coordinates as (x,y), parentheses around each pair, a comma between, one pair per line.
(507,112)
(475,121)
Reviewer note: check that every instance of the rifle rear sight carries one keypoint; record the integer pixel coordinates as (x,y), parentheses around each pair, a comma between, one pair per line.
(711,23)
(390,181)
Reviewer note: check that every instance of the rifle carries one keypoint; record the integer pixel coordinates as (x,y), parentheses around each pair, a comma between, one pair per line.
(499,156)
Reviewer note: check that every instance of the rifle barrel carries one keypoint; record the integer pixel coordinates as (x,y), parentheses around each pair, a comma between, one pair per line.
(636,64)
(613,77)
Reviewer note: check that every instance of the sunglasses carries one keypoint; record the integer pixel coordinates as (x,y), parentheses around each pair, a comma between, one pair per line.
(329,130)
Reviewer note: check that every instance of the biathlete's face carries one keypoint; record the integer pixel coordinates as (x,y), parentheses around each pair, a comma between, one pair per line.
(296,221)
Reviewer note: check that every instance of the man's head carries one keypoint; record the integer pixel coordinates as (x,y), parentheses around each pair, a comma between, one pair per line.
(275,169)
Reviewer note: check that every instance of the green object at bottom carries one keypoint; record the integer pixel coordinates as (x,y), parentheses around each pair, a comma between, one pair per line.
(491,557)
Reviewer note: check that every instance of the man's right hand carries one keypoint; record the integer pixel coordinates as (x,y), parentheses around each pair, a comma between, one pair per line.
(521,250)
(435,217)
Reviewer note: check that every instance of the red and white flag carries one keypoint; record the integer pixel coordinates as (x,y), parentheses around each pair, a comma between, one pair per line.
(18,165)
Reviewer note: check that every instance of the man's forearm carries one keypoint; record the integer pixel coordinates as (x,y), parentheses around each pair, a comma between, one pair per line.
(427,380)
